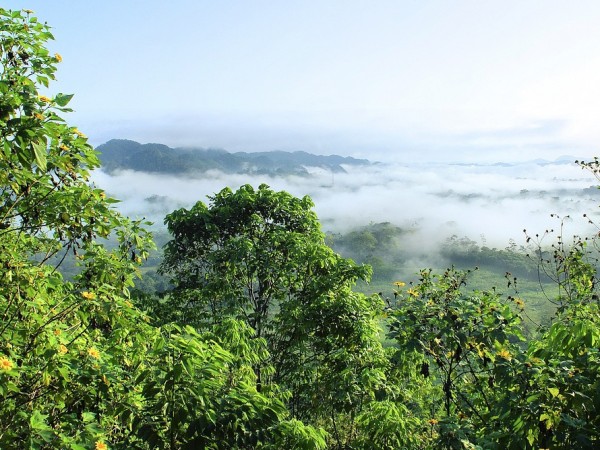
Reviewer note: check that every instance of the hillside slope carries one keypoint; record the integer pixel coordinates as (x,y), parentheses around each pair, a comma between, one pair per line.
(121,154)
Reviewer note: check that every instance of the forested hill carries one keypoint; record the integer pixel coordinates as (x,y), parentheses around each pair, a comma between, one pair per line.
(119,154)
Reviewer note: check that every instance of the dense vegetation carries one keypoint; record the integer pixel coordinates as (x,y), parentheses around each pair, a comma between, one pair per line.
(261,340)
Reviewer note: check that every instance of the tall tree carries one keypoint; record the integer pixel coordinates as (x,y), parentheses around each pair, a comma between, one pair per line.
(260,256)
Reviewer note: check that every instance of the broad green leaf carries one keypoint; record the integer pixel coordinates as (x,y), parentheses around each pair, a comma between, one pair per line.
(37,421)
(39,150)
(63,99)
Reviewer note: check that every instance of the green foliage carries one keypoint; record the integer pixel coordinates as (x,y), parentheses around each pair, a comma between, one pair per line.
(496,391)
(387,425)
(461,336)
(65,346)
(262,344)
(555,402)
(80,366)
(203,396)
(552,398)
(260,256)
(377,244)
(464,252)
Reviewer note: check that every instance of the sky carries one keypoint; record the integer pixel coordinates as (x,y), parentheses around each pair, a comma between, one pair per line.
(401,80)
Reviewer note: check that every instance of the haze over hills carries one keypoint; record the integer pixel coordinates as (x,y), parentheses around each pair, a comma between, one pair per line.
(435,200)
(119,154)
(125,154)
(396,217)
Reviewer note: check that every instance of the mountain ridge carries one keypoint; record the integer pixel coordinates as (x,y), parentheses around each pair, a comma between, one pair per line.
(123,154)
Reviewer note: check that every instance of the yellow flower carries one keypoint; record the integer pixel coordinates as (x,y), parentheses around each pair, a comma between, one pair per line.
(63,147)
(5,364)
(62,349)
(520,303)
(93,352)
(88,295)
(58,57)
(504,354)
(28,11)
(43,98)
(432,421)
(101,446)
(102,195)
(412,292)
(57,332)
(399,283)
(79,133)
(38,116)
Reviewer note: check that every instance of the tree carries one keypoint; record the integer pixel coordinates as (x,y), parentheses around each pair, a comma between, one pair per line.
(201,392)
(552,397)
(498,392)
(65,347)
(260,256)
(463,339)
(80,366)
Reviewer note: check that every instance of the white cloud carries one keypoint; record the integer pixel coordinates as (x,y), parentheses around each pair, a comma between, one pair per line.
(441,200)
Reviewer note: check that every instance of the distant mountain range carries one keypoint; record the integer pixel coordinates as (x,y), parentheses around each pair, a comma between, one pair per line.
(561,160)
(120,154)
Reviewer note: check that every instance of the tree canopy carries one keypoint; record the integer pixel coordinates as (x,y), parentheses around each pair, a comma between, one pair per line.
(260,256)
(263,342)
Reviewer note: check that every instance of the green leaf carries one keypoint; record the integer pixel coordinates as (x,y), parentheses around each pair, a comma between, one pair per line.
(39,150)
(530,437)
(37,421)
(553,391)
(88,417)
(77,447)
(63,99)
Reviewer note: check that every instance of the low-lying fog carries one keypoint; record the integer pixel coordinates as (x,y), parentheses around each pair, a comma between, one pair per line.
(491,203)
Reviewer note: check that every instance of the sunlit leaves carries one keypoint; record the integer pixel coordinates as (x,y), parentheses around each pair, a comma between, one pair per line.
(70,344)
(387,425)
(202,396)
(463,337)
(259,256)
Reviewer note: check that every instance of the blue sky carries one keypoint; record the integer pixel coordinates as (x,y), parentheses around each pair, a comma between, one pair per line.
(403,79)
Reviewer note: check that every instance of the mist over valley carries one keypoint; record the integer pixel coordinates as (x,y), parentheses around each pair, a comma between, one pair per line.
(490,204)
